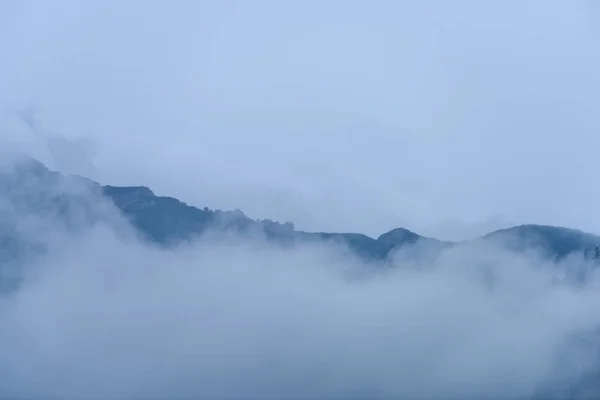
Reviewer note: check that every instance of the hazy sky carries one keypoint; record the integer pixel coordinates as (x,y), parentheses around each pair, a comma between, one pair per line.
(338,115)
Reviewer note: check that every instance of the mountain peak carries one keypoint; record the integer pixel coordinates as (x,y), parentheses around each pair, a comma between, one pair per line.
(398,235)
(166,219)
(553,240)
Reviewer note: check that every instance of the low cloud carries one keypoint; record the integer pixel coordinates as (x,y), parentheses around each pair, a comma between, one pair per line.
(105,315)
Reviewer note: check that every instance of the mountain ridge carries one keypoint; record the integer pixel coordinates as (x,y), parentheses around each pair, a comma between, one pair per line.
(166,220)
(30,187)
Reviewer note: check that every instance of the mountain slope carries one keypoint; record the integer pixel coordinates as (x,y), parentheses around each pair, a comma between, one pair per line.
(27,186)
(553,241)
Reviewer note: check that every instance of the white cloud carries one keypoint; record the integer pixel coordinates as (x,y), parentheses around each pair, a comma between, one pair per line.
(104,315)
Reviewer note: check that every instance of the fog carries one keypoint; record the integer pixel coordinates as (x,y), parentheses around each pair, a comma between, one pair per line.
(451,119)
(105,315)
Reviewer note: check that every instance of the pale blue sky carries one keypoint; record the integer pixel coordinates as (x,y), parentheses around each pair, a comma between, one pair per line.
(339,115)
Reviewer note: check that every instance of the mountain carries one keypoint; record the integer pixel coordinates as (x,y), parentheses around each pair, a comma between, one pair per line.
(31,194)
(27,186)
(554,241)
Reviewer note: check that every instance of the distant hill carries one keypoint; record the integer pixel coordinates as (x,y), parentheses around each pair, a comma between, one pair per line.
(28,186)
(28,189)
(553,240)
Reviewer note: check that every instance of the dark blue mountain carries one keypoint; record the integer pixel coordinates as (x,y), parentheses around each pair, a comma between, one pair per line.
(31,193)
(551,240)
(28,187)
